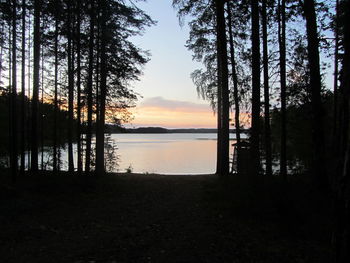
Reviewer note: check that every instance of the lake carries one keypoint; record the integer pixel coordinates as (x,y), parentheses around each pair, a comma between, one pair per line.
(165,153)
(177,153)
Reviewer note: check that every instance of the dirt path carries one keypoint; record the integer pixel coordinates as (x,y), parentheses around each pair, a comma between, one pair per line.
(140,218)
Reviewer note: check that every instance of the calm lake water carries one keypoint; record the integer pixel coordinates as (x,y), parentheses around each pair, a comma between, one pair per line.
(169,153)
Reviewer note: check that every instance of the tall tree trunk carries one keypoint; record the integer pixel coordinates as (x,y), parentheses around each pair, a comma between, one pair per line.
(35,97)
(319,168)
(103,90)
(282,51)
(336,70)
(219,128)
(14,164)
(268,156)
(342,233)
(97,68)
(223,84)
(79,89)
(42,110)
(29,92)
(255,130)
(23,95)
(70,92)
(89,89)
(55,121)
(2,32)
(235,85)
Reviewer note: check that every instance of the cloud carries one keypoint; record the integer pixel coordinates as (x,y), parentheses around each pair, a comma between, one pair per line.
(158,111)
(174,105)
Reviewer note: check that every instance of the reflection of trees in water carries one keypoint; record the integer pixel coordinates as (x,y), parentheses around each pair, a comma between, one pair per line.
(112,160)
(111,157)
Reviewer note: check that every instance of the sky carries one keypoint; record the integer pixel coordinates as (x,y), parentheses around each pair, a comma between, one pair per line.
(169,98)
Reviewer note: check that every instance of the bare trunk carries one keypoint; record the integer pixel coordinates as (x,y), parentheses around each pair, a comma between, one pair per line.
(223,84)
(255,129)
(35,98)
(89,89)
(319,168)
(266,92)
(79,91)
(23,76)
(70,93)
(282,51)
(103,90)
(235,86)
(14,164)
(343,193)
(55,122)
(42,110)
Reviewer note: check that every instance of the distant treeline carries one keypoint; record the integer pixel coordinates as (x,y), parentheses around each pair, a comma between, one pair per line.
(163,130)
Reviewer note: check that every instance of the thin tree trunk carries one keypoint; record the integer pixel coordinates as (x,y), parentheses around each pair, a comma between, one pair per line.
(55,126)
(319,168)
(282,51)
(336,71)
(23,95)
(29,104)
(103,90)
(14,164)
(97,69)
(266,92)
(255,129)
(219,128)
(235,86)
(35,98)
(79,91)
(42,110)
(70,93)
(89,89)
(1,48)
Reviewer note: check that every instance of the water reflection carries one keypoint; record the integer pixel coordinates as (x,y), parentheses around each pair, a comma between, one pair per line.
(154,153)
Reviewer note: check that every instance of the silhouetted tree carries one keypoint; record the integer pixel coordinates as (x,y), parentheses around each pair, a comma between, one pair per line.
(235,83)
(23,89)
(36,78)
(319,168)
(268,154)
(255,129)
(282,60)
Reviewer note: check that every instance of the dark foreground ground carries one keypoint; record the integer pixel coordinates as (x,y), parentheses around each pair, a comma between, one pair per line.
(154,218)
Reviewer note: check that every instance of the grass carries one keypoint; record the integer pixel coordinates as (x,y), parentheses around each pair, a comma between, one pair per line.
(157,218)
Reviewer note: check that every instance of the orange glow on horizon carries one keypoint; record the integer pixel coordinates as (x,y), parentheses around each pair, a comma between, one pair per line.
(160,117)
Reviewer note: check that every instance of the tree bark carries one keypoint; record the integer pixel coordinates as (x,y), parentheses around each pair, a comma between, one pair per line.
(103,90)
(342,232)
(255,128)
(23,90)
(70,92)
(223,84)
(282,58)
(13,156)
(235,85)
(89,89)
(55,123)
(319,168)
(35,98)
(79,152)
(268,169)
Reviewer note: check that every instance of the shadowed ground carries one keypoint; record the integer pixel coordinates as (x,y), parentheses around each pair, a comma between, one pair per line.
(154,218)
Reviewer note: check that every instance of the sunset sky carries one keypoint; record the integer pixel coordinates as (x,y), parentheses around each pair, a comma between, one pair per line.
(169,96)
